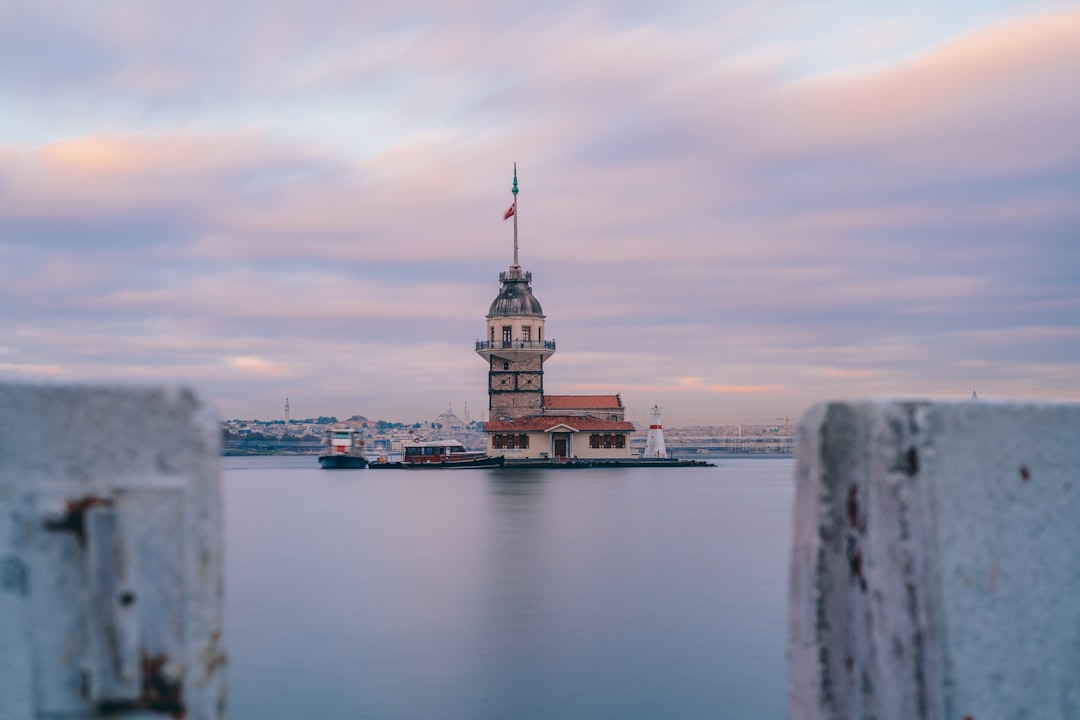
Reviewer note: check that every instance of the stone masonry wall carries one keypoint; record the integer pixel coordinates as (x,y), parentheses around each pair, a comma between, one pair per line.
(936,562)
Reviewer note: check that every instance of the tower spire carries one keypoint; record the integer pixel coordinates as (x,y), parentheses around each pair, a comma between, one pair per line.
(515,191)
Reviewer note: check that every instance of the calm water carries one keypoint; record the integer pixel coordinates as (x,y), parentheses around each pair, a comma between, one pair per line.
(509,595)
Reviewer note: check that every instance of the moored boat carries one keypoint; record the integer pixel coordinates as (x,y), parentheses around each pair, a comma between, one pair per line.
(344,449)
(446,454)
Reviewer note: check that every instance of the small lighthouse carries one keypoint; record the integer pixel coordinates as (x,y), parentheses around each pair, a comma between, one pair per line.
(654,446)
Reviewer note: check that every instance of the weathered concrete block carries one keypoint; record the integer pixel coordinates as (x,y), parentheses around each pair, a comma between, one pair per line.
(111,584)
(936,562)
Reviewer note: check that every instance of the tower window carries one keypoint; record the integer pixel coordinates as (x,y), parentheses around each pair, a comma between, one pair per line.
(526,333)
(506,365)
(508,335)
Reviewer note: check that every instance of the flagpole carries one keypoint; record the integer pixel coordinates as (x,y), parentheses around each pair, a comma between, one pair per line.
(515,191)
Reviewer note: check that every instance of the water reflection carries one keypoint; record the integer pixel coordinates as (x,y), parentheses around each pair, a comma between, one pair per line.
(515,482)
(513,637)
(476,595)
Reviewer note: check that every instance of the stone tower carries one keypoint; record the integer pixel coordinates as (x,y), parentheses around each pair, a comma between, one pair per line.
(515,347)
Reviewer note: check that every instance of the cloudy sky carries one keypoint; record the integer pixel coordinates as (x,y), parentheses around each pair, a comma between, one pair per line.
(730,208)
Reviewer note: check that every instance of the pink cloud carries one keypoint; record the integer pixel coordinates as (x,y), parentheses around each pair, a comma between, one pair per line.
(986,81)
(1001,57)
(850,373)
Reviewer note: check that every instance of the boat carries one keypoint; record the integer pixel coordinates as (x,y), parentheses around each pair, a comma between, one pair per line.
(344,449)
(442,454)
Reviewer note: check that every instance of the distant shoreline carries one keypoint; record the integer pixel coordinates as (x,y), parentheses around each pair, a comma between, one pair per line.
(258,452)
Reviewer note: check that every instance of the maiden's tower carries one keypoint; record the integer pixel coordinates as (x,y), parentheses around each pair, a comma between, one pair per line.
(524,422)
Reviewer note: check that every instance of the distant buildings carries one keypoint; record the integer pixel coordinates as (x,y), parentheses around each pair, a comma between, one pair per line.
(242,437)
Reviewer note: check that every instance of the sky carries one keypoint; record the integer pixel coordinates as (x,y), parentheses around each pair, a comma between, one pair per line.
(730,209)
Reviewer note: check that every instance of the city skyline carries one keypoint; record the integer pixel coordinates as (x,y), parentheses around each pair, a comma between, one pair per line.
(730,209)
(641,419)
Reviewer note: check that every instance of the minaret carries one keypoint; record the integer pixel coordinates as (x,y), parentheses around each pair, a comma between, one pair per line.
(515,347)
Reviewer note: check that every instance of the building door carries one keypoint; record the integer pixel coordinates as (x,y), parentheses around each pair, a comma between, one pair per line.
(560,446)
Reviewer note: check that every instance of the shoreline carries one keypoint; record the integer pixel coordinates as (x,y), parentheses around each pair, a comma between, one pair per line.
(633,461)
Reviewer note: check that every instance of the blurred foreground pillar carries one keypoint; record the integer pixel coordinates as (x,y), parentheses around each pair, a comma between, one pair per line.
(936,562)
(110,554)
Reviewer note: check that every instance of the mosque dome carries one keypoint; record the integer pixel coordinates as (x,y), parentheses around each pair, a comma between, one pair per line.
(516,299)
(450,421)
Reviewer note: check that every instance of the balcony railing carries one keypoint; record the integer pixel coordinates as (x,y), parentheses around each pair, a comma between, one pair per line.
(515,274)
(515,345)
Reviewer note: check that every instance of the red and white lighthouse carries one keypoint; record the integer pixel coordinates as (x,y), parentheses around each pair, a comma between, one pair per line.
(654,446)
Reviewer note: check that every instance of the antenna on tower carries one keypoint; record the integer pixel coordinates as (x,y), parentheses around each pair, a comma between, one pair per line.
(515,191)
(286,409)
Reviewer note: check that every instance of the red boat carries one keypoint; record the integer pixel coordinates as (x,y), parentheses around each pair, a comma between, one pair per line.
(446,454)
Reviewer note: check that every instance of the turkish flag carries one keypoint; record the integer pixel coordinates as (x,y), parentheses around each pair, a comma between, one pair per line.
(509,212)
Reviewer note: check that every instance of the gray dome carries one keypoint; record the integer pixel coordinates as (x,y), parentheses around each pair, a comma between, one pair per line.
(515,299)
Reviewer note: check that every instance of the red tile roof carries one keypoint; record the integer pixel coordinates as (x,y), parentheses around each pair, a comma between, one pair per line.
(581,402)
(580,423)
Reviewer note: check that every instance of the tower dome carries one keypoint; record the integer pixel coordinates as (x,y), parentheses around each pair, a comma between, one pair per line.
(515,299)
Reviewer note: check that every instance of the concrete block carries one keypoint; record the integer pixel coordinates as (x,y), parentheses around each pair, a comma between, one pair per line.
(935,569)
(111,582)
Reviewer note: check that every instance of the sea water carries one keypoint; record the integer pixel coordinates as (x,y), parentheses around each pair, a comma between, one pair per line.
(506,594)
